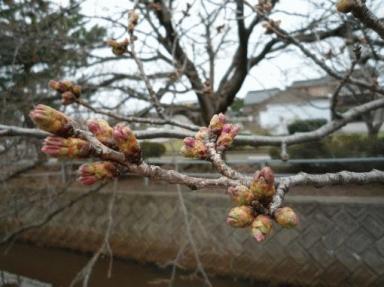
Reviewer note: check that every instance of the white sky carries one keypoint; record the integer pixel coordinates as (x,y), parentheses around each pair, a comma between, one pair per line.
(279,71)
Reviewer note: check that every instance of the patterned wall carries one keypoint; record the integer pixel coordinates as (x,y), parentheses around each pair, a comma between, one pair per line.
(340,241)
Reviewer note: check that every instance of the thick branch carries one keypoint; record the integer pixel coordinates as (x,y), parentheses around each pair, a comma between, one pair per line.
(361,12)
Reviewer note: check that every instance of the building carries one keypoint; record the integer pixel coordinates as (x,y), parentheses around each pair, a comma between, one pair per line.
(275,109)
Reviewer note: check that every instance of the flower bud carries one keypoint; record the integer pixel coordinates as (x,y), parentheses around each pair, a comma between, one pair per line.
(217,123)
(345,6)
(66,147)
(266,173)
(118,48)
(240,216)
(67,98)
(55,85)
(286,217)
(261,190)
(241,195)
(51,120)
(271,26)
(263,184)
(228,133)
(194,148)
(102,131)
(133,18)
(90,173)
(202,133)
(127,143)
(261,227)
(76,89)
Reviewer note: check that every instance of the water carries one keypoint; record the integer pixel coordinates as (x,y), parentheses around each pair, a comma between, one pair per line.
(56,267)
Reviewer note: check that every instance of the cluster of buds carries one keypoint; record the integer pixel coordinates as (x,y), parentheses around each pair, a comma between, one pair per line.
(345,6)
(133,19)
(271,26)
(260,192)
(194,148)
(222,133)
(69,91)
(264,6)
(118,48)
(63,144)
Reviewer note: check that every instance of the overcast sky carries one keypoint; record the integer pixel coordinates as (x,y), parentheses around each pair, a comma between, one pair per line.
(279,71)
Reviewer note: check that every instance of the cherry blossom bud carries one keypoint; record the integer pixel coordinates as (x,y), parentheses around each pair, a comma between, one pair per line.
(194,148)
(118,48)
(51,120)
(55,85)
(66,147)
(133,18)
(68,98)
(228,133)
(263,184)
(76,89)
(202,133)
(241,195)
(217,123)
(286,217)
(266,173)
(261,227)
(66,87)
(90,173)
(127,143)
(102,131)
(240,216)
(345,6)
(261,190)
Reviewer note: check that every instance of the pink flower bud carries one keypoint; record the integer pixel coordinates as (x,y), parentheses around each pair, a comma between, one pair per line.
(241,195)
(286,217)
(228,133)
(261,227)
(68,98)
(55,85)
(266,173)
(217,123)
(66,147)
(263,184)
(202,133)
(240,216)
(90,173)
(102,131)
(127,143)
(51,120)
(189,142)
(194,148)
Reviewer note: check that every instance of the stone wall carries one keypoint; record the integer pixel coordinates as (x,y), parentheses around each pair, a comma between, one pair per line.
(340,240)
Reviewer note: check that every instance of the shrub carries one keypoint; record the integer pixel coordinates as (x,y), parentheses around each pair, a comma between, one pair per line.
(305,125)
(336,146)
(152,149)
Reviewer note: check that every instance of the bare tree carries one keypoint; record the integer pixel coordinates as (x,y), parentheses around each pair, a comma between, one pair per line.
(260,199)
